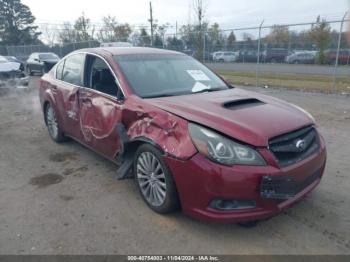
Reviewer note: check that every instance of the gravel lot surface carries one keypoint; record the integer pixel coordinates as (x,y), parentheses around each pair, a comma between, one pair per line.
(65,199)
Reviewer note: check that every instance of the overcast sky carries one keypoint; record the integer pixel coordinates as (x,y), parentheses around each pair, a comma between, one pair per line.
(228,13)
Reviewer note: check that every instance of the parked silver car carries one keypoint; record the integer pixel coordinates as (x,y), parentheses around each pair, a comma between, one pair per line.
(301,58)
(225,56)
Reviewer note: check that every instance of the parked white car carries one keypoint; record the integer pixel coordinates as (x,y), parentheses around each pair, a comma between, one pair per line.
(8,66)
(225,56)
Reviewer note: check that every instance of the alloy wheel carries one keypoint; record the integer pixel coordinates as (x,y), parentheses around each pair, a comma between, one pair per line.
(151,178)
(51,121)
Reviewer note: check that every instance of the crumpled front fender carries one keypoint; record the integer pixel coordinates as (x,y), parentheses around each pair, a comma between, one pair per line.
(166,130)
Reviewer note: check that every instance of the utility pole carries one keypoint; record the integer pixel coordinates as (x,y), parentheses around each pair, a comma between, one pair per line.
(151,21)
(176,29)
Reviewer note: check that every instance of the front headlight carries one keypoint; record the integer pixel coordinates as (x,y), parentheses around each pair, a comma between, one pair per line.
(223,150)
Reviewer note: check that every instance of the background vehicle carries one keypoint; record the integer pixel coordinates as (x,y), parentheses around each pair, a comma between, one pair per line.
(301,58)
(188,52)
(225,56)
(10,68)
(274,55)
(116,44)
(16,60)
(248,56)
(344,56)
(40,63)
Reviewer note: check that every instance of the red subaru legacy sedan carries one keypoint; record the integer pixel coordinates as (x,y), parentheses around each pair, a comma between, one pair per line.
(190,140)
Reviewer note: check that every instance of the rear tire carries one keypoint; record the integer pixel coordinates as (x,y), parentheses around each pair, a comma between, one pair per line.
(55,131)
(154,180)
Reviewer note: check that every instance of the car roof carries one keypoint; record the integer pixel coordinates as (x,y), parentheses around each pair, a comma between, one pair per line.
(128,50)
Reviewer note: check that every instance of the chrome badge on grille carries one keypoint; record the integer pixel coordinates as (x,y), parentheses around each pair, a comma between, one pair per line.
(300,144)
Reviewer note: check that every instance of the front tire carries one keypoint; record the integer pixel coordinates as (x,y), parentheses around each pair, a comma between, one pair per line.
(154,180)
(55,131)
(29,72)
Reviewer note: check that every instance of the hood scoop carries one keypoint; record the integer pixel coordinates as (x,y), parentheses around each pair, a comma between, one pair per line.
(242,103)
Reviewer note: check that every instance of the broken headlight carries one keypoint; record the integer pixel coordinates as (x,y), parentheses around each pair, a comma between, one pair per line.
(223,150)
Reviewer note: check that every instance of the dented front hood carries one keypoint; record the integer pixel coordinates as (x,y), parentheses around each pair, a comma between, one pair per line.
(255,122)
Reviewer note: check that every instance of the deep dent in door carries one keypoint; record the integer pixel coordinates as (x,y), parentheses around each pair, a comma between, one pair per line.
(168,131)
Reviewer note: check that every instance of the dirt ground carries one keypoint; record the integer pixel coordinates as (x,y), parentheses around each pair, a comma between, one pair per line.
(65,199)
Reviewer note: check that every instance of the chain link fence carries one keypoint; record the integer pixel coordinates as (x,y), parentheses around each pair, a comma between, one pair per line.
(308,56)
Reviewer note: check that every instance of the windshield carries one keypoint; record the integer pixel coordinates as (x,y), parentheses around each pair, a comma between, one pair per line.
(48,56)
(154,75)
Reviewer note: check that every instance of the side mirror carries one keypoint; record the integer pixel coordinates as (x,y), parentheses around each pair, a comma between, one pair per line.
(36,59)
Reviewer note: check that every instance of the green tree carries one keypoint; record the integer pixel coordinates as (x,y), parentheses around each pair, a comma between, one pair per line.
(231,39)
(174,43)
(16,25)
(215,37)
(145,39)
(320,33)
(122,32)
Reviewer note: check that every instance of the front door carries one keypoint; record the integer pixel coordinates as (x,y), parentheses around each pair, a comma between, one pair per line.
(69,81)
(100,110)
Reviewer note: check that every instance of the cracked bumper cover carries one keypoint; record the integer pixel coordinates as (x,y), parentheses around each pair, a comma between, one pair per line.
(199,181)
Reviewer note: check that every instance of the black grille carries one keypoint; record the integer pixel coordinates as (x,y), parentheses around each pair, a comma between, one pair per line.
(295,146)
(284,187)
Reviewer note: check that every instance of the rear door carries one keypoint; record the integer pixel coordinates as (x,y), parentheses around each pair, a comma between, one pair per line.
(100,109)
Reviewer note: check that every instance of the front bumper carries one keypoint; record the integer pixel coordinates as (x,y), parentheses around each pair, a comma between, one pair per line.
(199,181)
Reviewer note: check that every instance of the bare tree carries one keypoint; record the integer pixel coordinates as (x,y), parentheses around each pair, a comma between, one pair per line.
(279,34)
(67,33)
(113,31)
(49,33)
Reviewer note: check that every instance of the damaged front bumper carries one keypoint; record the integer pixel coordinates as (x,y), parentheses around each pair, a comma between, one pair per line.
(217,193)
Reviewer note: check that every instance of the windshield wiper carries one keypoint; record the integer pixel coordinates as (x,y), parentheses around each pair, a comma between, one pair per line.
(205,90)
(160,95)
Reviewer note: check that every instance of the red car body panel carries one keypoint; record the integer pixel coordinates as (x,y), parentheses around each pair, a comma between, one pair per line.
(210,181)
(253,125)
(91,118)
